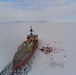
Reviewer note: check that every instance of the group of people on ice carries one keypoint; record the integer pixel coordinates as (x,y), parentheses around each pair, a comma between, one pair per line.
(46,49)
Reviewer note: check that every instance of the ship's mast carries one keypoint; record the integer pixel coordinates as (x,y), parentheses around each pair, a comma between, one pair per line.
(31,30)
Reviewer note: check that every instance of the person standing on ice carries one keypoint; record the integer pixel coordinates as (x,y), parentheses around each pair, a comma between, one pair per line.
(42,49)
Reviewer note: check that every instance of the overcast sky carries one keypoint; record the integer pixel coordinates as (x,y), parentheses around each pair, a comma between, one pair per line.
(31,10)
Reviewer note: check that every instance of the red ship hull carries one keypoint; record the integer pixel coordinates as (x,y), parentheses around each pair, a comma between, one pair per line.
(15,66)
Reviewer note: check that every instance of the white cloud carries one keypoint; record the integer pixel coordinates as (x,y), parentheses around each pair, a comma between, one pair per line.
(9,13)
(36,9)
